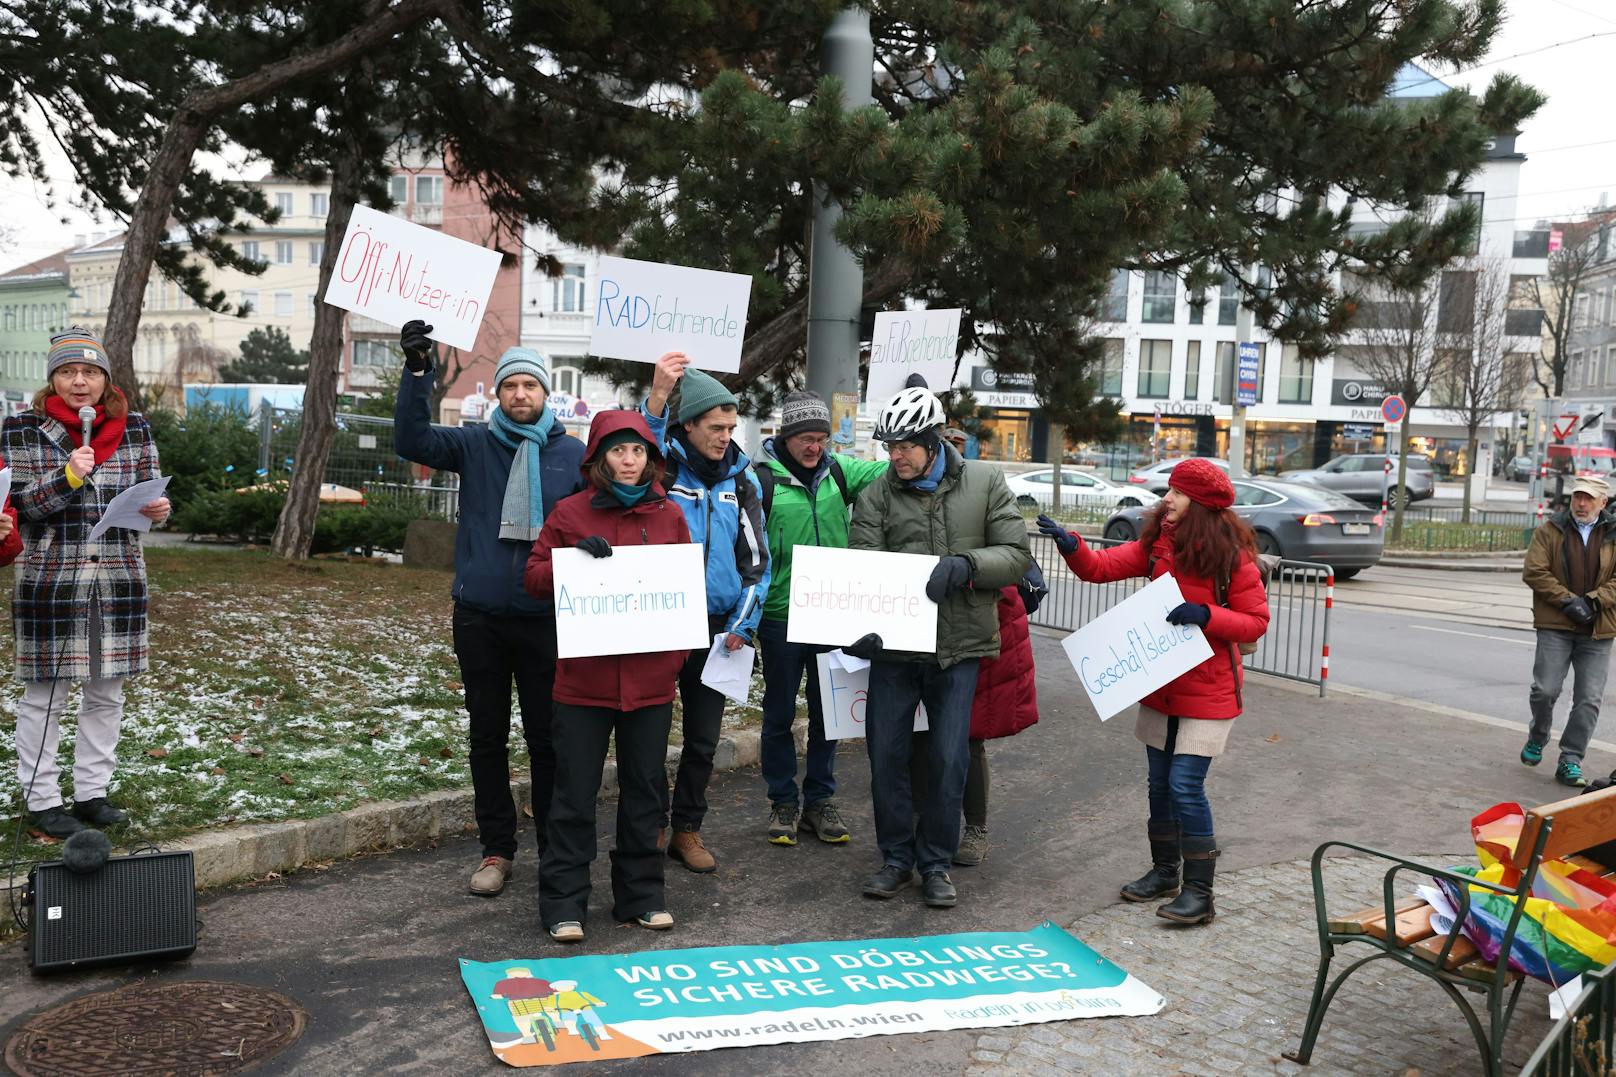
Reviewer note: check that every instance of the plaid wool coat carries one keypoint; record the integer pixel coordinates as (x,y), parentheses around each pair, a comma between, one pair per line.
(60,568)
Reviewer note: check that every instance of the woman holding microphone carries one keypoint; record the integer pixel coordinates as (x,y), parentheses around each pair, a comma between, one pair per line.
(80,604)
(1194,536)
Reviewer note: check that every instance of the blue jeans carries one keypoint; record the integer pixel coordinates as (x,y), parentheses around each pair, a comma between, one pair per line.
(783,665)
(1558,653)
(896,689)
(1177,785)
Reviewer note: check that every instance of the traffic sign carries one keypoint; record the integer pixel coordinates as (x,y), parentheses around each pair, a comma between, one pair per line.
(1392,409)
(1565,424)
(1245,386)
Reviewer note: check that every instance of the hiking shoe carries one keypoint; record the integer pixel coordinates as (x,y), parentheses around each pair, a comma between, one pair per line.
(783,824)
(98,813)
(938,890)
(660,920)
(567,931)
(56,823)
(1532,754)
(687,848)
(489,878)
(1570,773)
(888,881)
(824,820)
(973,846)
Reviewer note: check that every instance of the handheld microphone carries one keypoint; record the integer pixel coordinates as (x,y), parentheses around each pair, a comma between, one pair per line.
(86,422)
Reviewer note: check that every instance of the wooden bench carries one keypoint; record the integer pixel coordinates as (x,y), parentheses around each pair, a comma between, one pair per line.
(1399,929)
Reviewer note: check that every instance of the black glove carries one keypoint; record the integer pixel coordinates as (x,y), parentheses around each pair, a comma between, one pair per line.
(864,647)
(594,546)
(951,573)
(1065,541)
(1578,609)
(1189,613)
(417,346)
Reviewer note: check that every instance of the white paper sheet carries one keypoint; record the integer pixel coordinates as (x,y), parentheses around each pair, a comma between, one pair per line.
(124,510)
(840,659)
(1564,998)
(5,486)
(727,671)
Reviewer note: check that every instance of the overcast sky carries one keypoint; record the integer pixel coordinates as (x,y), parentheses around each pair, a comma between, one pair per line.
(1570,146)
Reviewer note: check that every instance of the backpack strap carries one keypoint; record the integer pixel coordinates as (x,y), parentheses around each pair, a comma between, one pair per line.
(766,480)
(841,480)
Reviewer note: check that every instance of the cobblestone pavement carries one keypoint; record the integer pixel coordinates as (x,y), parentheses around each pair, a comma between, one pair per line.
(1237,993)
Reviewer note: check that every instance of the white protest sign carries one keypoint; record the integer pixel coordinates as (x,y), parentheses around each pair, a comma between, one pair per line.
(393,271)
(843,694)
(1130,650)
(641,598)
(909,342)
(643,309)
(839,595)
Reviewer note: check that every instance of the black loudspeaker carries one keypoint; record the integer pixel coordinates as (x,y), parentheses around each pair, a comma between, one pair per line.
(132,908)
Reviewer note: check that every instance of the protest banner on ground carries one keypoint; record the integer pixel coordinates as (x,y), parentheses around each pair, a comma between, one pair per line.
(844,688)
(393,271)
(643,309)
(909,342)
(839,595)
(1130,650)
(548,1011)
(641,598)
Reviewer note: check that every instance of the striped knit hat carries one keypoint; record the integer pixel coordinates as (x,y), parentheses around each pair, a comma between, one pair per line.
(523,361)
(77,344)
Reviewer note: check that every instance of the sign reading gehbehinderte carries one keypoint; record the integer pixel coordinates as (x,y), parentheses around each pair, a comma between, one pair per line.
(394,271)
(641,598)
(1130,650)
(838,596)
(643,309)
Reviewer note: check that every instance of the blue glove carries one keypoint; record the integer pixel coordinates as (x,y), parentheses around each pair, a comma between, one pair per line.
(594,546)
(1065,541)
(951,573)
(1189,613)
(865,647)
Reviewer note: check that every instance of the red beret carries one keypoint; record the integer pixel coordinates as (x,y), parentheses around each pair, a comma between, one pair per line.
(1203,482)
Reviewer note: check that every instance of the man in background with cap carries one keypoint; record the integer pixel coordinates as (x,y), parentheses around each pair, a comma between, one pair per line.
(1571,569)
(512,472)
(807,495)
(709,478)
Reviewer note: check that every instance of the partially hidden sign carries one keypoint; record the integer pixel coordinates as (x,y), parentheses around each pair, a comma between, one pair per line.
(844,693)
(394,271)
(840,595)
(643,309)
(1130,650)
(641,598)
(907,342)
(553,1010)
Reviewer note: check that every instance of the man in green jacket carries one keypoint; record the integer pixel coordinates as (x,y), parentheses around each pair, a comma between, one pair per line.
(932,502)
(806,495)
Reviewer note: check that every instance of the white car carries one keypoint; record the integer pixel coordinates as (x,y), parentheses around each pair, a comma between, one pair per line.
(1078,488)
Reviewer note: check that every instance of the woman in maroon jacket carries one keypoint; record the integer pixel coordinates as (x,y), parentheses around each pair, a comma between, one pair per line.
(1212,553)
(629,696)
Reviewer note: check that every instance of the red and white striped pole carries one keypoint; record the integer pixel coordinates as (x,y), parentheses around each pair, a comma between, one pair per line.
(1324,651)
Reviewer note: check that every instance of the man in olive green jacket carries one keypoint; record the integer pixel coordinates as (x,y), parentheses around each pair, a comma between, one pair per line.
(931,501)
(1571,569)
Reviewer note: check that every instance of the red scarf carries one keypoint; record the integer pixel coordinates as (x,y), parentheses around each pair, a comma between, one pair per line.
(105,435)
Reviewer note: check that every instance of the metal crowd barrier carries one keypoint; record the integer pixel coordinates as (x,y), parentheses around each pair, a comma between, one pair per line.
(1300,597)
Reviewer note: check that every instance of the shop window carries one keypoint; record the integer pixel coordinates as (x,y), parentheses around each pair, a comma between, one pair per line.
(1295,377)
(1161,297)
(1111,368)
(1155,368)
(1192,371)
(1116,300)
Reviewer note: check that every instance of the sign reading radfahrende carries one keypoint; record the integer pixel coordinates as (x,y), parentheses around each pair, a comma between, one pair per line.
(643,309)
(393,271)
(547,1011)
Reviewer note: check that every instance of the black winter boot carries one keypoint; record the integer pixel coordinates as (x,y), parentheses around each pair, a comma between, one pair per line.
(1161,881)
(1194,904)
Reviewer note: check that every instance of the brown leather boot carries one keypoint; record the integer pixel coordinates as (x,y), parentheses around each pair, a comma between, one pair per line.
(687,848)
(489,878)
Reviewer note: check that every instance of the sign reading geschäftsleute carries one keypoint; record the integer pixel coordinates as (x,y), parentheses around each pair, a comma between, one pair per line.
(395,271)
(548,1011)
(641,598)
(1130,650)
(643,309)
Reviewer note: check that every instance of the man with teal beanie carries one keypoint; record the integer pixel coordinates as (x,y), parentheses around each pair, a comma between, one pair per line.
(512,471)
(710,479)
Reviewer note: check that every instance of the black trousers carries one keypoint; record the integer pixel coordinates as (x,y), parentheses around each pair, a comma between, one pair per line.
(494,650)
(581,737)
(701,719)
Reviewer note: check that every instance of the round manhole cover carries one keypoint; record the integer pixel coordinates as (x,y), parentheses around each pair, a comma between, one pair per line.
(190,1027)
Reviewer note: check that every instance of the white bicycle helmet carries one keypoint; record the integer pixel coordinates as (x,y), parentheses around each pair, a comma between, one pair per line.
(908,414)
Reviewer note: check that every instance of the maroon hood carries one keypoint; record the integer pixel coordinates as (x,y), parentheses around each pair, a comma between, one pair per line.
(610,422)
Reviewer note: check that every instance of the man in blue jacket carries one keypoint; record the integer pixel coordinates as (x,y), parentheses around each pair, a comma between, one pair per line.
(711,481)
(512,472)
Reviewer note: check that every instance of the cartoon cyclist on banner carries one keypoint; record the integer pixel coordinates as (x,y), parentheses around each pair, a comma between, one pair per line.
(525,996)
(578,1006)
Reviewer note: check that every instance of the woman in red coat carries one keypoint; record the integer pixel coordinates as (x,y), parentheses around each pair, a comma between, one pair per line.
(1212,553)
(626,696)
